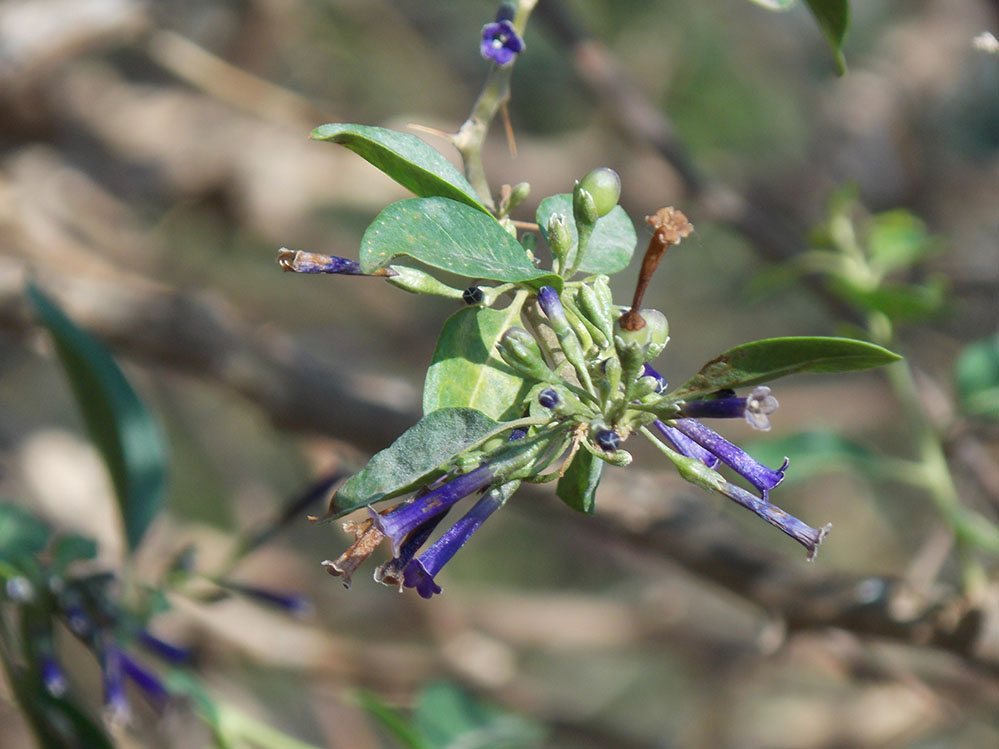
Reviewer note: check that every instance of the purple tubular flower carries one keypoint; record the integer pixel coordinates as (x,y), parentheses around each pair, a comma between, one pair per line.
(500,42)
(738,460)
(754,409)
(682,444)
(293,604)
(115,699)
(53,677)
(550,303)
(391,573)
(804,534)
(405,519)
(648,371)
(421,571)
(164,650)
(298,261)
(143,678)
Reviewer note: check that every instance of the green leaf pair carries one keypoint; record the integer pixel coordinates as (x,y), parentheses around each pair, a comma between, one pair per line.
(447,227)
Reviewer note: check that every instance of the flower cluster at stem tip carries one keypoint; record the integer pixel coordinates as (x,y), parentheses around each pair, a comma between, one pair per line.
(591,386)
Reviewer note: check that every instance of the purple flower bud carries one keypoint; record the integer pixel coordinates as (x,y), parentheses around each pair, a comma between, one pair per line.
(404,519)
(500,42)
(297,261)
(164,650)
(741,462)
(753,409)
(804,534)
(550,303)
(548,398)
(608,440)
(53,677)
(650,372)
(517,434)
(472,295)
(421,571)
(682,444)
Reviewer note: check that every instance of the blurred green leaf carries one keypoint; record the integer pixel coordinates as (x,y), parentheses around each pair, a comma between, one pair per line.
(391,719)
(414,458)
(449,718)
(21,533)
(466,372)
(761,361)
(405,158)
(578,487)
(611,244)
(452,237)
(71,548)
(119,424)
(898,301)
(815,453)
(834,18)
(976,373)
(897,240)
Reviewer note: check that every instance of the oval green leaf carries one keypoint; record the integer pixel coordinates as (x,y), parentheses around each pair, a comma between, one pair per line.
(578,487)
(467,373)
(419,453)
(613,240)
(121,427)
(761,361)
(405,158)
(452,237)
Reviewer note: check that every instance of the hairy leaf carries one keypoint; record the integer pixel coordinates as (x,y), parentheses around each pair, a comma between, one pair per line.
(450,236)
(418,455)
(466,371)
(405,158)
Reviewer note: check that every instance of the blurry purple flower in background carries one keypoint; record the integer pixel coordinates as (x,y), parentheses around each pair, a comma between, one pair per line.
(500,42)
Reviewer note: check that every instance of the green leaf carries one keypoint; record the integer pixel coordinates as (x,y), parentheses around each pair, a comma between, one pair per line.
(450,718)
(71,548)
(761,361)
(834,18)
(897,240)
(452,237)
(119,424)
(21,533)
(611,244)
(899,301)
(389,718)
(578,487)
(466,372)
(405,158)
(419,452)
(816,453)
(976,373)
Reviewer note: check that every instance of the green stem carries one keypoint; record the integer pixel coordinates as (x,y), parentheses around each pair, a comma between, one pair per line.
(970,529)
(495,93)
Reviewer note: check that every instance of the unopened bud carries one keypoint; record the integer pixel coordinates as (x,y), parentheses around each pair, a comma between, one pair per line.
(559,236)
